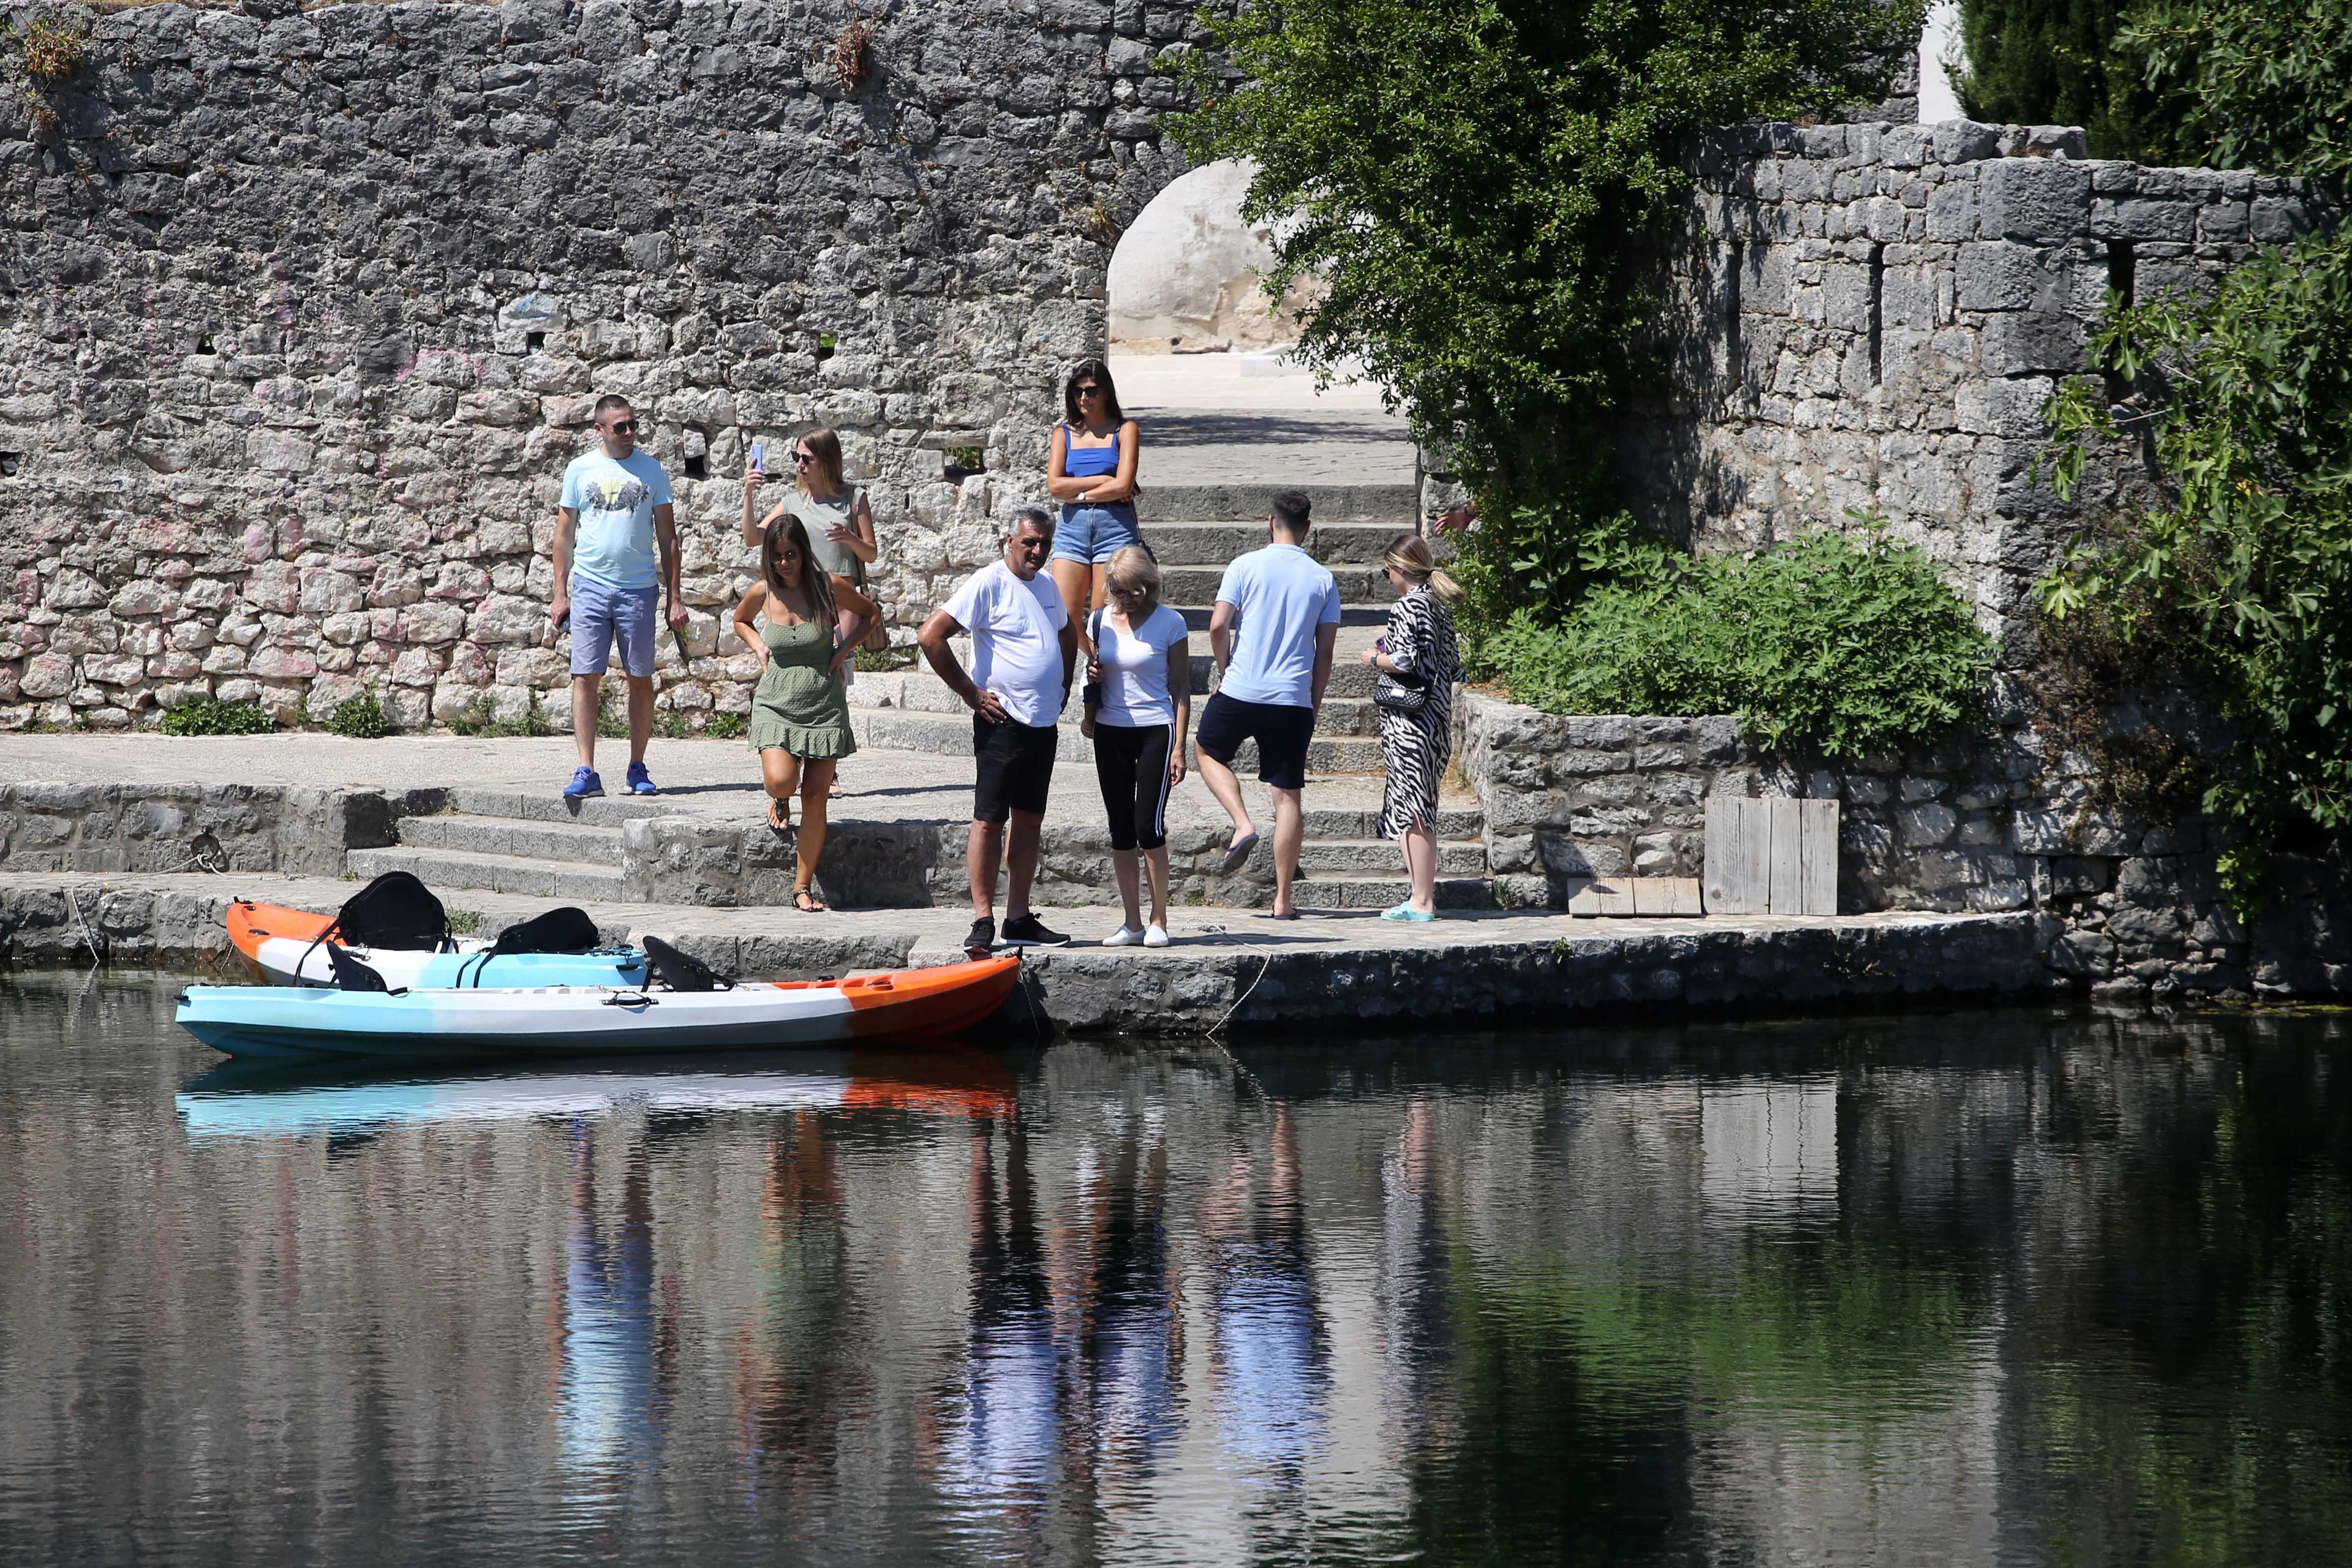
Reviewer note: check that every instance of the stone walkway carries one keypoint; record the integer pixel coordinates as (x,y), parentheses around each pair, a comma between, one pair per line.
(1206,420)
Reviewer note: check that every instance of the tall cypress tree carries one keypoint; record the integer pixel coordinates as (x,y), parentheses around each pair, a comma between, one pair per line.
(2055,62)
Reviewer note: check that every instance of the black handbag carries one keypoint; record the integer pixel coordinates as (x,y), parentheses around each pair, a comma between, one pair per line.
(1400,693)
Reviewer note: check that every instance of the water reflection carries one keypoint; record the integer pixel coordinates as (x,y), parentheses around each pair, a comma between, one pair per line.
(1992,1287)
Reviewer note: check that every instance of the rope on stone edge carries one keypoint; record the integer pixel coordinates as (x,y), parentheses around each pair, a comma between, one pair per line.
(204,855)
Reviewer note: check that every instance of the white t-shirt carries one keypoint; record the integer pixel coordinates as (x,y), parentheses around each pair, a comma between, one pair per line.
(1016,645)
(1135,669)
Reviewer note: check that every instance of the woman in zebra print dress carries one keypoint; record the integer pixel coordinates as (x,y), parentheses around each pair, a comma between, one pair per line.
(1417,662)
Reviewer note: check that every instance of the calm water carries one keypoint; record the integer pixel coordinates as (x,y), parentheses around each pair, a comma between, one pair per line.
(1995,1287)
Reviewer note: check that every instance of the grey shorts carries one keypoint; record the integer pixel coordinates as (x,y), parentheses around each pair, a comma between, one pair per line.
(602,614)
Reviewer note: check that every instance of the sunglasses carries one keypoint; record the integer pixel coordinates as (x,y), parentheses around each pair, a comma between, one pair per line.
(1090,391)
(622,427)
(801,459)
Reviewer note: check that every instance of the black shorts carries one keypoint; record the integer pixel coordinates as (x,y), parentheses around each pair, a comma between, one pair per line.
(1015,768)
(1280,731)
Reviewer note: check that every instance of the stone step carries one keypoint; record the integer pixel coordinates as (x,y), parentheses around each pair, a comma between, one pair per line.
(1186,587)
(922,692)
(1392,506)
(1367,856)
(1380,892)
(567,842)
(950,735)
(549,806)
(1197,615)
(1213,545)
(445,869)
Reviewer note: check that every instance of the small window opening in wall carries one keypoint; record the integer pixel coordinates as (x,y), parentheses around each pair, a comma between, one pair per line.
(204,344)
(1736,371)
(1877,311)
(965,461)
(9,462)
(534,342)
(698,466)
(825,345)
(2123,283)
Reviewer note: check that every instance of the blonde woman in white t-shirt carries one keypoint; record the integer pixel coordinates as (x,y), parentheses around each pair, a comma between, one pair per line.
(1140,685)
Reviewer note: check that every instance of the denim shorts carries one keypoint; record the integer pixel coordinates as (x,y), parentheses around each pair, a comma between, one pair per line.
(1094,533)
(602,614)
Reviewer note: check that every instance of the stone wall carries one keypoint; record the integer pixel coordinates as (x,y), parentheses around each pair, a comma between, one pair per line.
(302,314)
(2126,907)
(95,827)
(1872,316)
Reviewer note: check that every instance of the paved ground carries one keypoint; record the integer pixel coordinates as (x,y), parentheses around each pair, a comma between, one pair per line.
(1206,422)
(699,778)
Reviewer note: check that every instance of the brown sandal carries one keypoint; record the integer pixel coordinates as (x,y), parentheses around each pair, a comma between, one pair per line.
(808,903)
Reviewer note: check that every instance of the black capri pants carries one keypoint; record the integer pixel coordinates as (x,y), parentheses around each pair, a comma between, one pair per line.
(1131,765)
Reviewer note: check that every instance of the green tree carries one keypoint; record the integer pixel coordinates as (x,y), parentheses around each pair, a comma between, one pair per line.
(2062,62)
(2245,397)
(1478,183)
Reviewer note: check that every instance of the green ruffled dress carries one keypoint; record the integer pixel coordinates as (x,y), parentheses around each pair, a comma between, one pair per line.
(798,704)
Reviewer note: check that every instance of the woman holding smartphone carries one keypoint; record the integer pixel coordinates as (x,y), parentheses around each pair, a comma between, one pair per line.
(800,715)
(1091,471)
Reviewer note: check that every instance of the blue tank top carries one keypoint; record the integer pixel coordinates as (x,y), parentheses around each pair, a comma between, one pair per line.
(1089,462)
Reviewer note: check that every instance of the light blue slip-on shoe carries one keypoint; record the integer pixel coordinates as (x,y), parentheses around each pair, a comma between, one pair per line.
(640,781)
(1405,911)
(585,782)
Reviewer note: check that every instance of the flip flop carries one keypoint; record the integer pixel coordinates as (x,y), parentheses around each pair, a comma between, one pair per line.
(1236,854)
(780,829)
(812,905)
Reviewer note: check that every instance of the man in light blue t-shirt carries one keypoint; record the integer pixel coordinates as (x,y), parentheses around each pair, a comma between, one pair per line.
(1277,618)
(615,544)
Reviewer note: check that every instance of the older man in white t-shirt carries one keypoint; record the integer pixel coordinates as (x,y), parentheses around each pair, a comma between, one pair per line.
(1024,652)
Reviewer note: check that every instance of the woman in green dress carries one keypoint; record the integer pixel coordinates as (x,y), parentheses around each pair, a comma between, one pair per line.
(800,715)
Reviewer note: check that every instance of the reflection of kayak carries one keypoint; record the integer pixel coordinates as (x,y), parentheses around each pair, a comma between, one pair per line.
(247,1099)
(286,946)
(905,1004)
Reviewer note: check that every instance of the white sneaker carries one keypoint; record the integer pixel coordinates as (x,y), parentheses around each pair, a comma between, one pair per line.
(1155,936)
(1126,936)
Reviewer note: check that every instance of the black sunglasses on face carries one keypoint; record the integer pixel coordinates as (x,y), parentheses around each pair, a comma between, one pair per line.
(801,459)
(1090,391)
(622,427)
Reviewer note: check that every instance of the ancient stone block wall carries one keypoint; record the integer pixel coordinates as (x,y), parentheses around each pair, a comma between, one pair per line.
(1872,316)
(302,314)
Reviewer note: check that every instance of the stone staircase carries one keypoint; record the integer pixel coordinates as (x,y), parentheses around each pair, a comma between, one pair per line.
(1197,531)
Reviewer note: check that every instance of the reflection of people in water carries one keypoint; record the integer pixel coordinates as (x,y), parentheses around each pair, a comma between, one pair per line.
(794,1369)
(1130,1340)
(1415,1319)
(998,1452)
(1272,1363)
(609,1417)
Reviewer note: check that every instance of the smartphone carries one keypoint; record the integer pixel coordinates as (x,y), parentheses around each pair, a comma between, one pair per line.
(760,456)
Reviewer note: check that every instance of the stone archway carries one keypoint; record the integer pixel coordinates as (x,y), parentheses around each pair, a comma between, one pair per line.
(1185,277)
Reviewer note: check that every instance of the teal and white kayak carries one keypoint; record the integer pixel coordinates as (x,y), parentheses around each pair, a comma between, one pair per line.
(574,1020)
(289,948)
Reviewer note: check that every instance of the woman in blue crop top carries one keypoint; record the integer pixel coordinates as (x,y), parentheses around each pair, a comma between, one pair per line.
(1092,474)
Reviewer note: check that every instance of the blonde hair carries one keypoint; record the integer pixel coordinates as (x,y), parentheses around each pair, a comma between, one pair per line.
(1409,553)
(825,453)
(1131,566)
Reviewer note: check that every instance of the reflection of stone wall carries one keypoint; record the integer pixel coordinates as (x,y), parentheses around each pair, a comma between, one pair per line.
(304,317)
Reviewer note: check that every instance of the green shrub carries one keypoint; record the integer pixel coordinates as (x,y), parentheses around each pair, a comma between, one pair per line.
(673,724)
(479,719)
(362,718)
(211,716)
(725,727)
(1849,649)
(880,661)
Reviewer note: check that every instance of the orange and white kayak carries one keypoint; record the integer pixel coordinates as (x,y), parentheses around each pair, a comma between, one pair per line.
(571,1020)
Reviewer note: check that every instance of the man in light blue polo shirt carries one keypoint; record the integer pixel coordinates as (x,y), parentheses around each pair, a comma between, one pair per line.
(1276,619)
(615,544)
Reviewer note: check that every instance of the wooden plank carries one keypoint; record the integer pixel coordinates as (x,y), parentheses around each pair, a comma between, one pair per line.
(1737,862)
(1667,896)
(1817,857)
(1606,896)
(1787,896)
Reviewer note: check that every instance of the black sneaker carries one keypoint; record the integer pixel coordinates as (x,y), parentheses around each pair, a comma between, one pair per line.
(982,938)
(1028,931)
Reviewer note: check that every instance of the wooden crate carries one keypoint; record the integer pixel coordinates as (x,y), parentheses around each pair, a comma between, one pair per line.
(1771,857)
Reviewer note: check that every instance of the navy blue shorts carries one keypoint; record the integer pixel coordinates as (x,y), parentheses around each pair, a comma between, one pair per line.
(1280,731)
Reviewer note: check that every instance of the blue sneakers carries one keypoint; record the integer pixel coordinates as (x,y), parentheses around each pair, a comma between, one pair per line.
(585,782)
(640,781)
